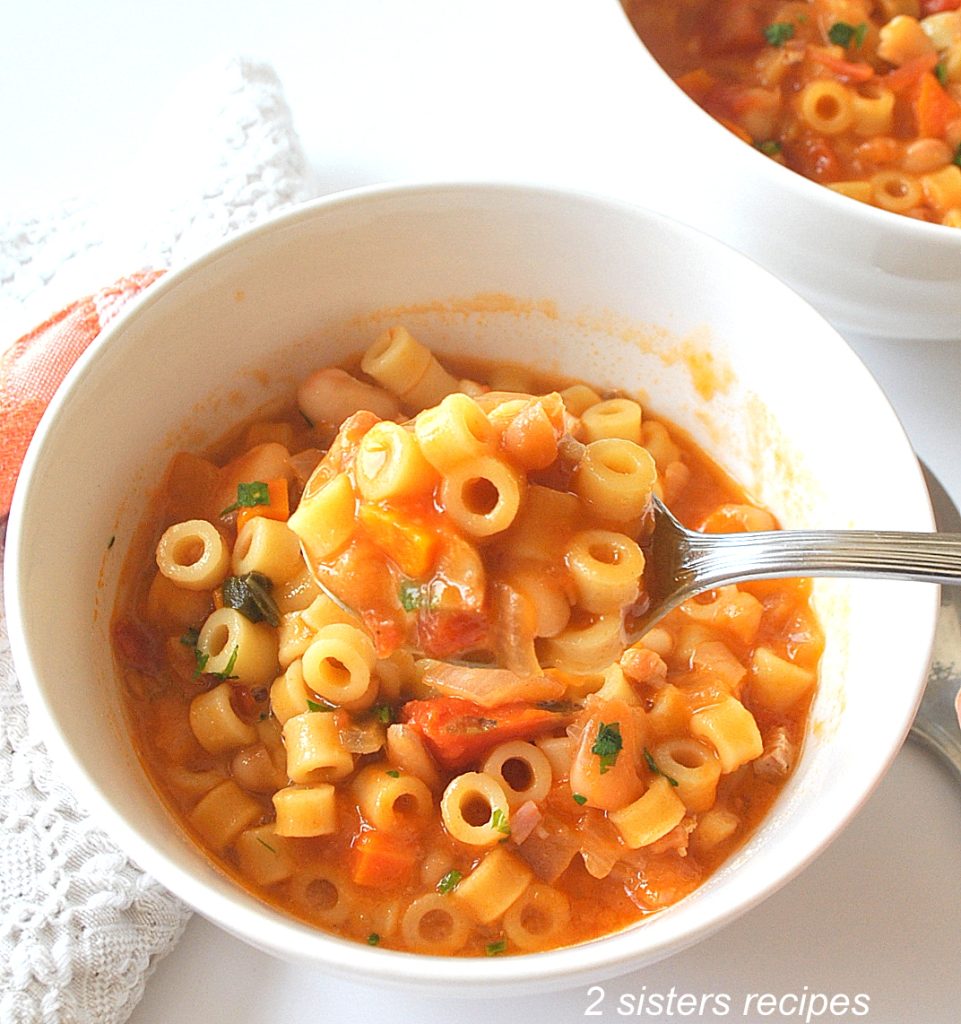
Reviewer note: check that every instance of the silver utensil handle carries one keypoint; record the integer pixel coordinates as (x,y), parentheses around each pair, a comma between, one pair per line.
(737,557)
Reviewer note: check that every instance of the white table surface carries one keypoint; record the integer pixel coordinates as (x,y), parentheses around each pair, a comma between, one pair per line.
(533,90)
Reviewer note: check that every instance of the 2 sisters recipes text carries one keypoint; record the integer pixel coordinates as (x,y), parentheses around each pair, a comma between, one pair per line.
(468,762)
(863,96)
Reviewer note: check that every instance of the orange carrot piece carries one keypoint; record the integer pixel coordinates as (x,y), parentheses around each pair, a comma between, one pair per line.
(278,506)
(380,860)
(933,108)
(411,544)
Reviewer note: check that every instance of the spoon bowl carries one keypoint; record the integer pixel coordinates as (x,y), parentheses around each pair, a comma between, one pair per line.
(683,563)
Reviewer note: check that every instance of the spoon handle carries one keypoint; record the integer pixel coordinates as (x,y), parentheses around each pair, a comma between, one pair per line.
(736,557)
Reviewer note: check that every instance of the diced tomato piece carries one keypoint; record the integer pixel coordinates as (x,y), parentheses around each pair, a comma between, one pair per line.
(845,70)
(815,158)
(442,632)
(138,646)
(733,25)
(937,6)
(459,732)
(909,72)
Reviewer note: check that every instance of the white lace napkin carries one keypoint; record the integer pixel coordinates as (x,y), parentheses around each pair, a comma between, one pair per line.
(81,926)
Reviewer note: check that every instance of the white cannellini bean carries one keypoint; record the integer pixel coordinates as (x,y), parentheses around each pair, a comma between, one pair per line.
(331,395)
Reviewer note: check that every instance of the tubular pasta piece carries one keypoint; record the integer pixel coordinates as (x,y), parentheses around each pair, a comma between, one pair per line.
(236,647)
(649,817)
(538,918)
(304,811)
(193,555)
(523,771)
(217,727)
(224,813)
(496,883)
(435,924)
(730,728)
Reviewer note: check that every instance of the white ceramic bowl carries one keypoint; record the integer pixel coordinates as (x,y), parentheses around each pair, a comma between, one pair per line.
(868,271)
(602,290)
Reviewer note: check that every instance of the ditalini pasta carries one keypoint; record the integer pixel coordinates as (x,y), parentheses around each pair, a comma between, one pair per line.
(861,96)
(374,661)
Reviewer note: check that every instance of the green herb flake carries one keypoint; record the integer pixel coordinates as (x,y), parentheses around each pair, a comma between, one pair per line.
(652,764)
(229,667)
(779,32)
(769,147)
(580,799)
(608,745)
(312,705)
(250,595)
(410,595)
(373,939)
(200,660)
(449,882)
(249,495)
(190,637)
(112,541)
(500,823)
(496,948)
(265,844)
(383,713)
(941,72)
(393,773)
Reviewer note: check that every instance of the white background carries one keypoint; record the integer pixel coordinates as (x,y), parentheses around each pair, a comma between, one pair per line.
(526,89)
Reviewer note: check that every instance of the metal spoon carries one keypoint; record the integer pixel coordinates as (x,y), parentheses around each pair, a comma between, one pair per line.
(682,563)
(936,724)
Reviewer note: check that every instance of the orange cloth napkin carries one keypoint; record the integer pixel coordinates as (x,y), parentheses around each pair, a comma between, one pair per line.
(33,368)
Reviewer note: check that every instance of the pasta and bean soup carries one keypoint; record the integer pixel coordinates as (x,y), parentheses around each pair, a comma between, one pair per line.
(863,96)
(373,659)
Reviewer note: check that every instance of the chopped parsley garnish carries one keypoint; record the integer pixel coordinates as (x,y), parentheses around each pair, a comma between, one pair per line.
(249,495)
(373,939)
(411,595)
(229,667)
(190,638)
(265,844)
(941,72)
(779,32)
(608,745)
(200,660)
(956,159)
(250,595)
(580,799)
(393,773)
(652,764)
(843,34)
(496,948)
(500,823)
(111,542)
(383,713)
(449,882)
(312,705)
(769,147)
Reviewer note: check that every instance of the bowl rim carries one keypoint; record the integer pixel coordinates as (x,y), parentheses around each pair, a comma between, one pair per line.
(243,914)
